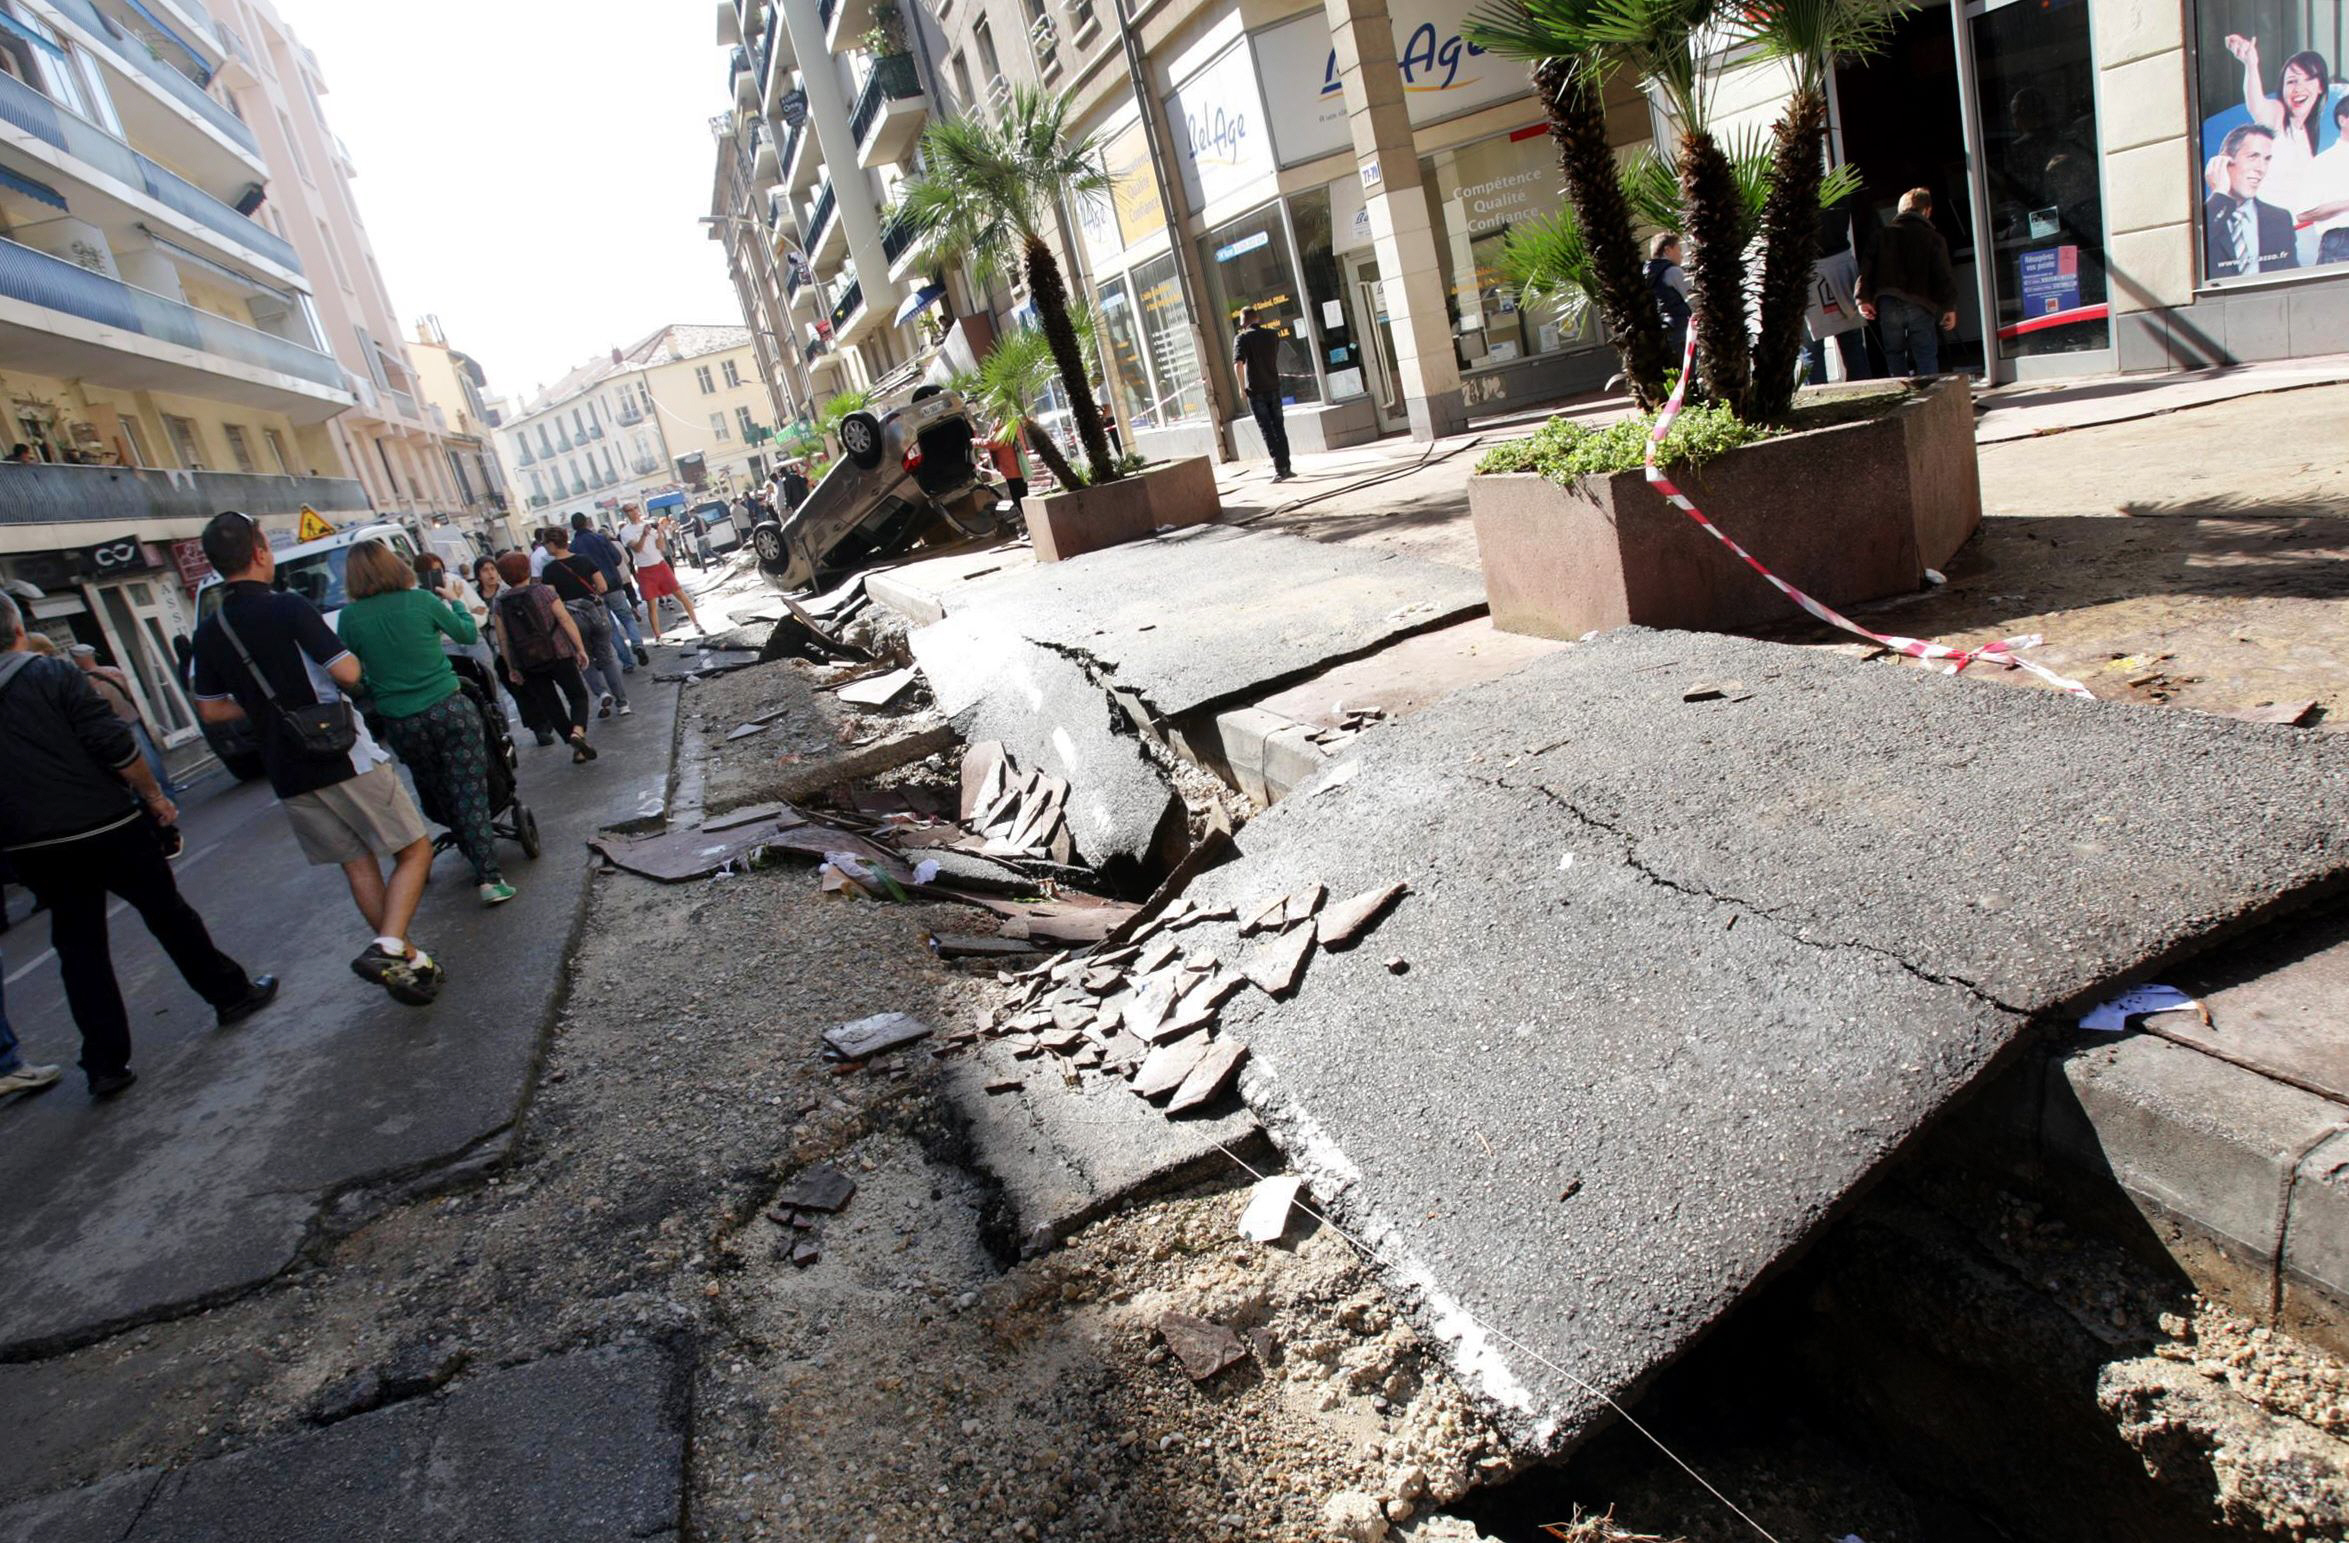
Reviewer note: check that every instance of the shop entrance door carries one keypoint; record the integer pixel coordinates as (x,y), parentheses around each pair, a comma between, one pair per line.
(1369,298)
(132,618)
(1899,119)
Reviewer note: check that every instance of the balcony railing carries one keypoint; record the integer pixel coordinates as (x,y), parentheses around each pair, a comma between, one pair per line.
(78,137)
(893,78)
(819,216)
(898,235)
(54,284)
(645,465)
(401,400)
(851,301)
(825,11)
(140,58)
(594,431)
(791,147)
(131,496)
(630,418)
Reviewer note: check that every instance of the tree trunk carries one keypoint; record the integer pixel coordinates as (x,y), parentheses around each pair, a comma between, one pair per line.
(1048,451)
(1790,245)
(1050,293)
(1578,122)
(1710,199)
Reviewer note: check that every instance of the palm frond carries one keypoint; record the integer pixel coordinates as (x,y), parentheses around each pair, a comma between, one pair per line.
(1547,261)
(1811,35)
(1651,183)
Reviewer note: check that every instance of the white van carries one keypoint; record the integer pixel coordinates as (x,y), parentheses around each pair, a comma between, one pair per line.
(314,569)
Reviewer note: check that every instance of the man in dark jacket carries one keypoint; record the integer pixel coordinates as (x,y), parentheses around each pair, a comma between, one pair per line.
(627,635)
(1907,289)
(2242,233)
(1256,351)
(79,812)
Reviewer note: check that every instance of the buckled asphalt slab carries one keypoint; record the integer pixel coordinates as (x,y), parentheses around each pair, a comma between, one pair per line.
(574,1447)
(1684,976)
(207,1177)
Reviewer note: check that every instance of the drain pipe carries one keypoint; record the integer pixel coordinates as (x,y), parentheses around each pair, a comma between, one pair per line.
(1178,241)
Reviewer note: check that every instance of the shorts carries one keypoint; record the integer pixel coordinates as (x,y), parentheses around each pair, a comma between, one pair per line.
(369,816)
(656,580)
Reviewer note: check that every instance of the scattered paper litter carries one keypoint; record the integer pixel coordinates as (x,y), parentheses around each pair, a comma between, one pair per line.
(2112,1015)
(925,870)
(1267,1216)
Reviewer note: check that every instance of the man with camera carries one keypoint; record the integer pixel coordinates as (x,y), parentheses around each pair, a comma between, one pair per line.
(267,655)
(82,818)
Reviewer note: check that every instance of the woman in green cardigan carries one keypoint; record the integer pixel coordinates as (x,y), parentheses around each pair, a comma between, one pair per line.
(394,630)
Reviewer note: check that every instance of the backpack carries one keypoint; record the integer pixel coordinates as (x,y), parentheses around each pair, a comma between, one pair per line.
(533,641)
(1670,303)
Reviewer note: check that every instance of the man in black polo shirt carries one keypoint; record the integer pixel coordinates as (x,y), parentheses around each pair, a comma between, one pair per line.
(350,810)
(1256,350)
(79,811)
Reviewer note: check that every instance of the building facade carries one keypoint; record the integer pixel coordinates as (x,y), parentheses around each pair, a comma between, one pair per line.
(389,439)
(1351,168)
(453,388)
(162,353)
(685,407)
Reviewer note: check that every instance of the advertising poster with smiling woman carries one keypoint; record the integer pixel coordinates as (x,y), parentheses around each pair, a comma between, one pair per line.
(2275,136)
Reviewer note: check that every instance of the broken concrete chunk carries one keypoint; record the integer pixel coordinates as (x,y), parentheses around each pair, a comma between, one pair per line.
(877,690)
(1164,1069)
(1204,1347)
(982,777)
(1267,1215)
(871,1036)
(1208,1080)
(821,1188)
(1346,921)
(1149,1006)
(1208,913)
(806,1253)
(1063,1041)
(1275,964)
(1303,903)
(1073,1017)
(1270,913)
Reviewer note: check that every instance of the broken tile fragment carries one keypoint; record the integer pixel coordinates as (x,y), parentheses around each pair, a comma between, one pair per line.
(1164,1069)
(1203,1347)
(821,1188)
(1210,1077)
(1346,921)
(1269,913)
(1159,950)
(1275,964)
(1303,903)
(1267,1215)
(805,1254)
(1192,918)
(1149,1005)
(745,731)
(871,1036)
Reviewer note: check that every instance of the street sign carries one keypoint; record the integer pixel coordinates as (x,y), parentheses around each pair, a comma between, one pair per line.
(313,526)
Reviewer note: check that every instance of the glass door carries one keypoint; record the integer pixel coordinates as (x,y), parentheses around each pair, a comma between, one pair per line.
(1369,297)
(2041,180)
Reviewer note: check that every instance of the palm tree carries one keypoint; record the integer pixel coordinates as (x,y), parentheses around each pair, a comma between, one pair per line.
(988,192)
(1656,40)
(1618,279)
(1015,373)
(1809,35)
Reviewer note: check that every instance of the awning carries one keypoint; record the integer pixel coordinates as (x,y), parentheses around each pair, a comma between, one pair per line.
(9,23)
(919,301)
(39,192)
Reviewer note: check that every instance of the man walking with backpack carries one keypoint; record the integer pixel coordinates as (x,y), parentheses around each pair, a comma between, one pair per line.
(597,548)
(268,656)
(79,818)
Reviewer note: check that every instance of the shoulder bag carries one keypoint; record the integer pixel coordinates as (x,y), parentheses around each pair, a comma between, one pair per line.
(313,731)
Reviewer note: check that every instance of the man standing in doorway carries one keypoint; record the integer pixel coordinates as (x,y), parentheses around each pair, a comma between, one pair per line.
(1907,289)
(590,543)
(1256,351)
(80,817)
(263,652)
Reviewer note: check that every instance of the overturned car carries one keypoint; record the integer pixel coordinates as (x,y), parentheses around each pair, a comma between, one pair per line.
(906,476)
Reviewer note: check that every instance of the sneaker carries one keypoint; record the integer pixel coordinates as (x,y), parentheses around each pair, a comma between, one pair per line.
(603,709)
(409,982)
(109,1085)
(641,656)
(497,894)
(626,710)
(258,995)
(28,1079)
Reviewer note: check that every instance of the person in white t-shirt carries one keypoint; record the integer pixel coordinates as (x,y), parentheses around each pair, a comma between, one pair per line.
(655,579)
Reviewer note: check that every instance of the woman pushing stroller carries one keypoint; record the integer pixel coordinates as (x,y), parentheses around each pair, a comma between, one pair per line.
(395,630)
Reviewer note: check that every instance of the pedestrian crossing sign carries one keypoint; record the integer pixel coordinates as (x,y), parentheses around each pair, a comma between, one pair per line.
(314,526)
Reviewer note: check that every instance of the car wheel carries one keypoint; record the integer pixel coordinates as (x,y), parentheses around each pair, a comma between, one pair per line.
(860,438)
(767,542)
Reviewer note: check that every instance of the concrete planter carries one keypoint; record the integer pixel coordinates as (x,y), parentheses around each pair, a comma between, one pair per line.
(1080,520)
(1853,512)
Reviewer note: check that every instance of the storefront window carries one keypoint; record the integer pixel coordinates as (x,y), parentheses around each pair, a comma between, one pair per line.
(2039,155)
(1248,268)
(1325,294)
(1120,338)
(1478,193)
(2272,175)
(1166,338)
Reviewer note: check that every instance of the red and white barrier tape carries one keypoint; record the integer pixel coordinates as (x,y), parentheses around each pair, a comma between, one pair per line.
(2001,652)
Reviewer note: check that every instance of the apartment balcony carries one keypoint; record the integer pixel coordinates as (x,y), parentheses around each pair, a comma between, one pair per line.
(645,465)
(161,102)
(746,81)
(594,431)
(845,21)
(889,112)
(775,63)
(799,292)
(121,178)
(63,320)
(803,164)
(766,167)
(630,419)
(729,24)
(824,234)
(1044,43)
(904,245)
(850,301)
(855,317)
(179,31)
(142,499)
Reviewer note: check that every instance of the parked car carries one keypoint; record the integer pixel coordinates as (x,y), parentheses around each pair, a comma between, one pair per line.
(905,475)
(717,516)
(314,570)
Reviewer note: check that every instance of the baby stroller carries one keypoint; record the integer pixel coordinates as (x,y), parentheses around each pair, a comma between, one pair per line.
(509,816)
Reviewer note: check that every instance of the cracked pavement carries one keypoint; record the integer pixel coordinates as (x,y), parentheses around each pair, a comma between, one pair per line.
(1668,1009)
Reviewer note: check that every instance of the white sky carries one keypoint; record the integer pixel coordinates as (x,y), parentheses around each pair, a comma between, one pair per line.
(531,170)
